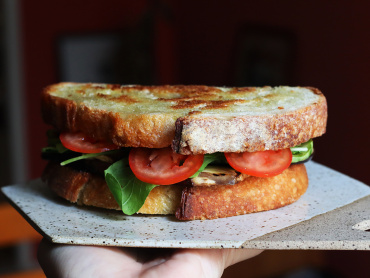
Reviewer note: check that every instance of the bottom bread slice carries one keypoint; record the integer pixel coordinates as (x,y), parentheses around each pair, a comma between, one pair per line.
(253,194)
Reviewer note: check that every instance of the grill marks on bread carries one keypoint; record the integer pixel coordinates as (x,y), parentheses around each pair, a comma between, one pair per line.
(204,104)
(202,98)
(124,99)
(180,97)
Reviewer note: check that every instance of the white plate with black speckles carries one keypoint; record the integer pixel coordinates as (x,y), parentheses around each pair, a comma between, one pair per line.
(62,222)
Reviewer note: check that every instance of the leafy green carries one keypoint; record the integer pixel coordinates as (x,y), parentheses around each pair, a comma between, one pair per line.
(54,144)
(57,148)
(209,158)
(129,192)
(302,151)
(87,155)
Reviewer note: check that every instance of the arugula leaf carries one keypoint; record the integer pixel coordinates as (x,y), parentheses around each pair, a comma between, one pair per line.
(129,192)
(209,158)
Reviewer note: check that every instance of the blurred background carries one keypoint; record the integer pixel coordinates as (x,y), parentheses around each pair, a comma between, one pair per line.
(323,44)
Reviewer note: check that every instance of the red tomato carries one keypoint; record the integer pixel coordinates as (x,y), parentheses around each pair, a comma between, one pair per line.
(78,142)
(163,166)
(260,164)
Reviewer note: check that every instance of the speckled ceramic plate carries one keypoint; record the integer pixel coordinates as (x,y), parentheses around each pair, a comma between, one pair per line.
(62,222)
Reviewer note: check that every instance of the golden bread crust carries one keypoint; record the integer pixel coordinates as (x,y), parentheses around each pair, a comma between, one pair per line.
(188,117)
(67,185)
(186,202)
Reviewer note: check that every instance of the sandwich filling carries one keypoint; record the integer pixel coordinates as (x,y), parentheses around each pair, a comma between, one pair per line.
(131,173)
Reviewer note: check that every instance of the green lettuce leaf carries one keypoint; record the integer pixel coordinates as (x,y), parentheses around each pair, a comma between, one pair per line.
(129,192)
(210,158)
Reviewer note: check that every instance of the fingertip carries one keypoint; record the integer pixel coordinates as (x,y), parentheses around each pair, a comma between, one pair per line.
(44,257)
(42,250)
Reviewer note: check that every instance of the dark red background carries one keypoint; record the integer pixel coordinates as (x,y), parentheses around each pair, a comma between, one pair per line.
(197,46)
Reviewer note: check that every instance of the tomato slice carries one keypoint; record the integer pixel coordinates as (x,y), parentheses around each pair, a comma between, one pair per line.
(78,142)
(163,166)
(260,164)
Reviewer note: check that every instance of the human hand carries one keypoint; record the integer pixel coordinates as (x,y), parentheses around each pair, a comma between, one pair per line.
(99,261)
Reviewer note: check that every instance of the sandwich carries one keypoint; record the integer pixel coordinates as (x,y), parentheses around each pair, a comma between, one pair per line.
(196,152)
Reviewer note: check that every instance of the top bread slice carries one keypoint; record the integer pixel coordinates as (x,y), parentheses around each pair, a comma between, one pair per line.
(193,119)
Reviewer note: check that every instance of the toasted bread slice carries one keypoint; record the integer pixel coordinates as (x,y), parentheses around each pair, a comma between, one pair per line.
(253,194)
(89,189)
(194,119)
